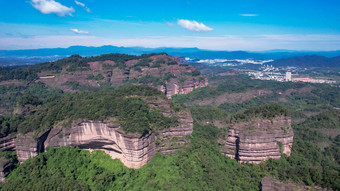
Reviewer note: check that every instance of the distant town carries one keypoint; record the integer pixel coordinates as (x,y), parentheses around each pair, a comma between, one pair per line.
(264,71)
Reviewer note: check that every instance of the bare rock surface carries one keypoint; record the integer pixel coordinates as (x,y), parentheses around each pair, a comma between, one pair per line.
(5,169)
(271,184)
(259,140)
(134,150)
(7,143)
(29,145)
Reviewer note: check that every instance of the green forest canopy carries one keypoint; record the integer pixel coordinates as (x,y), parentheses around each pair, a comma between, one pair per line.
(126,104)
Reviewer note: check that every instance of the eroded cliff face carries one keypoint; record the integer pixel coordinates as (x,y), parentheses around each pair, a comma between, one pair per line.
(176,87)
(7,143)
(259,140)
(5,168)
(132,149)
(30,145)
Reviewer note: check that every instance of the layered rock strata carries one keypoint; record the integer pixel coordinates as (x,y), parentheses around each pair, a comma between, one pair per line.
(175,87)
(7,143)
(132,149)
(259,140)
(5,169)
(29,145)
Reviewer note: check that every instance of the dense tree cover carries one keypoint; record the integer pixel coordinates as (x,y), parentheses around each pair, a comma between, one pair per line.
(28,99)
(10,73)
(9,124)
(334,149)
(315,154)
(208,113)
(146,80)
(200,166)
(9,95)
(328,93)
(321,97)
(9,156)
(145,62)
(268,111)
(133,113)
(329,119)
(233,84)
(72,63)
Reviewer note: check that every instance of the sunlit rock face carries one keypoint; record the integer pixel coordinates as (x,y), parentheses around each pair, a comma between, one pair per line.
(29,145)
(259,140)
(176,87)
(132,149)
(7,143)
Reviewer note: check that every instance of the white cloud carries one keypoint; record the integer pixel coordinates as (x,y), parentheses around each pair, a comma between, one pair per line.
(79,31)
(79,3)
(51,6)
(249,15)
(193,25)
(82,5)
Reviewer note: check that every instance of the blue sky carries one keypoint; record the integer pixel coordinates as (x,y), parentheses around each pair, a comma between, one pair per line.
(254,25)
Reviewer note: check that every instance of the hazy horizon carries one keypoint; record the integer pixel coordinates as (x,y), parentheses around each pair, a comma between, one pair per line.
(162,47)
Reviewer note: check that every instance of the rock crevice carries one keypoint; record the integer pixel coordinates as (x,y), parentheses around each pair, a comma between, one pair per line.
(259,140)
(132,149)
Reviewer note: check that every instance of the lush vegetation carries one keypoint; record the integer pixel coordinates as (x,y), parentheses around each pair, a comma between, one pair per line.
(233,84)
(72,63)
(199,166)
(315,158)
(264,111)
(11,95)
(126,104)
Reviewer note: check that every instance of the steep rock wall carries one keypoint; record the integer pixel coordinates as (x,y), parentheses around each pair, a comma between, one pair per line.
(30,145)
(133,150)
(259,140)
(175,87)
(7,143)
(5,168)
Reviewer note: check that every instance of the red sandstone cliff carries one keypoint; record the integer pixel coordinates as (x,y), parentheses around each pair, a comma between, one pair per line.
(259,140)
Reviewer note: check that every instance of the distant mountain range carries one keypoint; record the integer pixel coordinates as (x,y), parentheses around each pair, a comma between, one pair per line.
(33,56)
(308,61)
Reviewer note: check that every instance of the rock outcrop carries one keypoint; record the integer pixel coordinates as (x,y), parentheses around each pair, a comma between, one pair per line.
(5,169)
(134,150)
(7,143)
(175,87)
(161,71)
(272,184)
(259,140)
(30,145)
